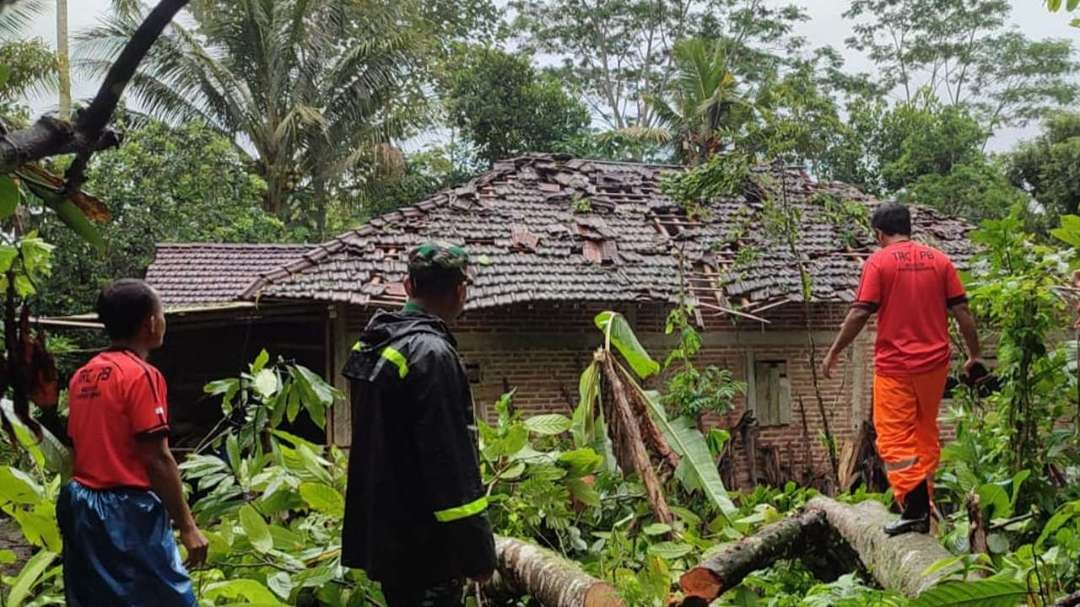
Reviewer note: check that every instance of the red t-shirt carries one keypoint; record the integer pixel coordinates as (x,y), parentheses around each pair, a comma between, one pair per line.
(911,286)
(115,398)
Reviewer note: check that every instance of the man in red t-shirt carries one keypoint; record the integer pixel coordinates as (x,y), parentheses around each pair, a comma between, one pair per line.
(913,288)
(118,541)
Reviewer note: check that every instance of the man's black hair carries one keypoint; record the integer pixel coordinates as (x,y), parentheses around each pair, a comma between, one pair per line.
(124,305)
(435,282)
(892,218)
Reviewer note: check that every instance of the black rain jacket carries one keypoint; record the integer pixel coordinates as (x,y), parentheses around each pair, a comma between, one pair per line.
(414,509)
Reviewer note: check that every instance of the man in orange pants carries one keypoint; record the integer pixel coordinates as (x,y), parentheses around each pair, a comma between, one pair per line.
(912,287)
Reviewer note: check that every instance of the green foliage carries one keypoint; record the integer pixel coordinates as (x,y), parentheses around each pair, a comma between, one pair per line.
(975,191)
(505,108)
(966,55)
(722,176)
(618,333)
(706,109)
(1047,167)
(28,66)
(311,91)
(618,52)
(1015,295)
(983,593)
(164,185)
(691,392)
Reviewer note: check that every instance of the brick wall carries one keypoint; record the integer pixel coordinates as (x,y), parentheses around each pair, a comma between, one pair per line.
(541,349)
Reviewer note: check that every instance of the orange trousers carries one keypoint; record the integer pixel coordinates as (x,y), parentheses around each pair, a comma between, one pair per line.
(905,418)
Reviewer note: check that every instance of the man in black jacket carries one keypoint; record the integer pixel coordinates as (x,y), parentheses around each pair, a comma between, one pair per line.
(414,508)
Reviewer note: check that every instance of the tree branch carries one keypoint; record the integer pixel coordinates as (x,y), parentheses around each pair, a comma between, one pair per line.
(52,137)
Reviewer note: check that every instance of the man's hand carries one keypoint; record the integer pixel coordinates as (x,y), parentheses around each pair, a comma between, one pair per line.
(196,545)
(829,364)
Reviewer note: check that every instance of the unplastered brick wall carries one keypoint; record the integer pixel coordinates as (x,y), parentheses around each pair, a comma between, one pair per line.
(541,349)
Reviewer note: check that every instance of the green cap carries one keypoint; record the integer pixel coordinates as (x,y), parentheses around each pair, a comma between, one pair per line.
(435,256)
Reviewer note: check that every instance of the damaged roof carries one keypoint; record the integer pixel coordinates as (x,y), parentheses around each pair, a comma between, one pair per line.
(553,228)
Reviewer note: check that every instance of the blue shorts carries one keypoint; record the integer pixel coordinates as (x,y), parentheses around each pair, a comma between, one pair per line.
(119,550)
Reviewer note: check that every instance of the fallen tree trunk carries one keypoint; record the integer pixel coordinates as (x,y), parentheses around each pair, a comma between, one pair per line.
(897,563)
(725,570)
(527,569)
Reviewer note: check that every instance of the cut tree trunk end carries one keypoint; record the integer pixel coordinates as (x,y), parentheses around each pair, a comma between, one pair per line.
(527,569)
(897,563)
(726,569)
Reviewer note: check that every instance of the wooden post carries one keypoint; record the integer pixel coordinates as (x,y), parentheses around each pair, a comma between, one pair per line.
(339,426)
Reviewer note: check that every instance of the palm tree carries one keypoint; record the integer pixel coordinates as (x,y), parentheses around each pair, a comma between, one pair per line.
(16,14)
(303,87)
(705,106)
(63,58)
(26,65)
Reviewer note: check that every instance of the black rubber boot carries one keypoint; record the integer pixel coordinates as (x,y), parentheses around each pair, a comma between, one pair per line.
(916,515)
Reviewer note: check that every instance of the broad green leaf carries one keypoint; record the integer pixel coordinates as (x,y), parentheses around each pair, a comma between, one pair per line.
(311,382)
(323,498)
(19,487)
(23,434)
(256,529)
(28,578)
(247,590)
(617,330)
(8,557)
(670,550)
(656,529)
(1064,515)
(977,593)
(9,196)
(1069,231)
(513,472)
(8,254)
(583,428)
(281,583)
(998,543)
(992,497)
(292,406)
(548,425)
(74,218)
(685,439)
(1075,23)
(1072,4)
(687,516)
(260,361)
(583,492)
(581,461)
(266,383)
(1053,5)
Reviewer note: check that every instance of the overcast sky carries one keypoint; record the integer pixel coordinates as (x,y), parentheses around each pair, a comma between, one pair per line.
(827,26)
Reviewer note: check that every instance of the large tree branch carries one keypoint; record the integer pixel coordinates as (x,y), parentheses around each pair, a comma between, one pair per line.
(51,137)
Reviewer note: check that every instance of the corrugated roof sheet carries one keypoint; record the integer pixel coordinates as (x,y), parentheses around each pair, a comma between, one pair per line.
(549,228)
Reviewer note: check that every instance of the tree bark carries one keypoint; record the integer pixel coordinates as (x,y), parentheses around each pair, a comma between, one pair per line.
(63,59)
(626,437)
(527,569)
(897,563)
(51,137)
(725,570)
(977,542)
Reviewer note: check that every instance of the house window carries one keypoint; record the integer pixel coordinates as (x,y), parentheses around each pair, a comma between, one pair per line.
(772,393)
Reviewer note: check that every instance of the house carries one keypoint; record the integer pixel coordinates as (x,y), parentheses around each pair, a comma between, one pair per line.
(558,240)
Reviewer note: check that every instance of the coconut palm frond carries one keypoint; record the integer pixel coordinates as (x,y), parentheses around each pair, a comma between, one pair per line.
(15,15)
